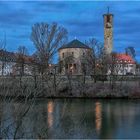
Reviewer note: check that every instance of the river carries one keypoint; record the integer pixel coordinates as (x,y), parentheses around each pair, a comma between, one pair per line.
(70,119)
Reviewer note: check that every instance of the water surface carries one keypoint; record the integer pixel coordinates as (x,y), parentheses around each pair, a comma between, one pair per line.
(70,118)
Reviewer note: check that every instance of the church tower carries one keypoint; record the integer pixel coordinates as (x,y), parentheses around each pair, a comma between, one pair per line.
(108,32)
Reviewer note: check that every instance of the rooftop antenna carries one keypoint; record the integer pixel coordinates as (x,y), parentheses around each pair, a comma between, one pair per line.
(108,9)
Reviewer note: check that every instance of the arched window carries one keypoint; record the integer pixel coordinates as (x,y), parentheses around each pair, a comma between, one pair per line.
(62,55)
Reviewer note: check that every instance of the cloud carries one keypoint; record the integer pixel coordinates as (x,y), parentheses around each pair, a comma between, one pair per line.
(81,19)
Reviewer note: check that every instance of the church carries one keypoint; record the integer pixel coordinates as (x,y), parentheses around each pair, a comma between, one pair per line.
(74,51)
(72,58)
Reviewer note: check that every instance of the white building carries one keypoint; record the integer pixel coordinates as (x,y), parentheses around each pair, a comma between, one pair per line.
(9,64)
(122,64)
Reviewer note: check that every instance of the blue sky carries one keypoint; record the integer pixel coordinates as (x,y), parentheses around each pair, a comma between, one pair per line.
(82,19)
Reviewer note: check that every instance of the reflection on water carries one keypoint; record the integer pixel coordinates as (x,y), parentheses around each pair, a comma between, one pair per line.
(98,116)
(70,118)
(50,110)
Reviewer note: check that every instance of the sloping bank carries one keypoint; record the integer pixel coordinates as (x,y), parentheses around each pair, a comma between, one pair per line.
(75,90)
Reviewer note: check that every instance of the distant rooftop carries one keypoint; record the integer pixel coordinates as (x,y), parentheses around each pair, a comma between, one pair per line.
(13,57)
(75,44)
(124,58)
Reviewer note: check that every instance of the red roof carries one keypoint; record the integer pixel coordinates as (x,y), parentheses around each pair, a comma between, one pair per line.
(124,58)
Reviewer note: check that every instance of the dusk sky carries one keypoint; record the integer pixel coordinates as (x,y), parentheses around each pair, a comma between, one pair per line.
(83,20)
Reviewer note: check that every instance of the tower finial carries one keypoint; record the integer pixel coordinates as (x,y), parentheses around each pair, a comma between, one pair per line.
(108,9)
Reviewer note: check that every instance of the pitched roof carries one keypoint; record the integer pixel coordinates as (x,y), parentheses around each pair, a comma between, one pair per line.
(7,56)
(13,57)
(75,44)
(124,58)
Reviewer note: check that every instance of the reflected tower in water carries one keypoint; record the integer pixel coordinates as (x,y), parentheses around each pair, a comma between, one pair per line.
(50,109)
(98,117)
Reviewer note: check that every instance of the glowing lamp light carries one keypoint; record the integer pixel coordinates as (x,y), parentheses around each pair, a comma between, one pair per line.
(71,67)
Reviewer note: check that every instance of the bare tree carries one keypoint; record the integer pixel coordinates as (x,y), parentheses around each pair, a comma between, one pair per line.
(3,54)
(21,59)
(94,57)
(47,38)
(85,66)
(34,70)
(131,51)
(112,67)
(66,68)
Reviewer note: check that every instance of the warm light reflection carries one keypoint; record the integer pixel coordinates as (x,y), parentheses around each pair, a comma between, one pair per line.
(98,116)
(50,108)
(71,67)
(50,65)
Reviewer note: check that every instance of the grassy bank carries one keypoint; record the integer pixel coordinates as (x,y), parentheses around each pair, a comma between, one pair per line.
(29,87)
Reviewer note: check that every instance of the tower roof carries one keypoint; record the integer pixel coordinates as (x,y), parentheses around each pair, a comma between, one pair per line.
(108,13)
(75,44)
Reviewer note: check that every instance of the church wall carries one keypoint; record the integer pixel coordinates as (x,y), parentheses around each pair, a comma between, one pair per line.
(79,54)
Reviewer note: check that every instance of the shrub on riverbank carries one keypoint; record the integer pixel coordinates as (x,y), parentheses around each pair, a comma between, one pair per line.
(27,89)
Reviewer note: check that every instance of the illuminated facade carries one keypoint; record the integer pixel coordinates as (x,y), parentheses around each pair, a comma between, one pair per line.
(122,64)
(72,58)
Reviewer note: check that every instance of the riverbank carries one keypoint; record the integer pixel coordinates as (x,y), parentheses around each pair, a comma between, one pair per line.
(75,88)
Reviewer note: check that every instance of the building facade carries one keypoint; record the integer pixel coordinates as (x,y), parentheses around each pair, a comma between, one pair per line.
(73,58)
(11,64)
(7,62)
(122,64)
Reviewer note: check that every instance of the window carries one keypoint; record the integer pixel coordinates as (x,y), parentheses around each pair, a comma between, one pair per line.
(74,66)
(108,18)
(72,53)
(62,55)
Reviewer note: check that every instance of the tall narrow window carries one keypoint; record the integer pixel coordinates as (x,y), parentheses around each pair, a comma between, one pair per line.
(74,66)
(108,18)
(62,55)
(72,53)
